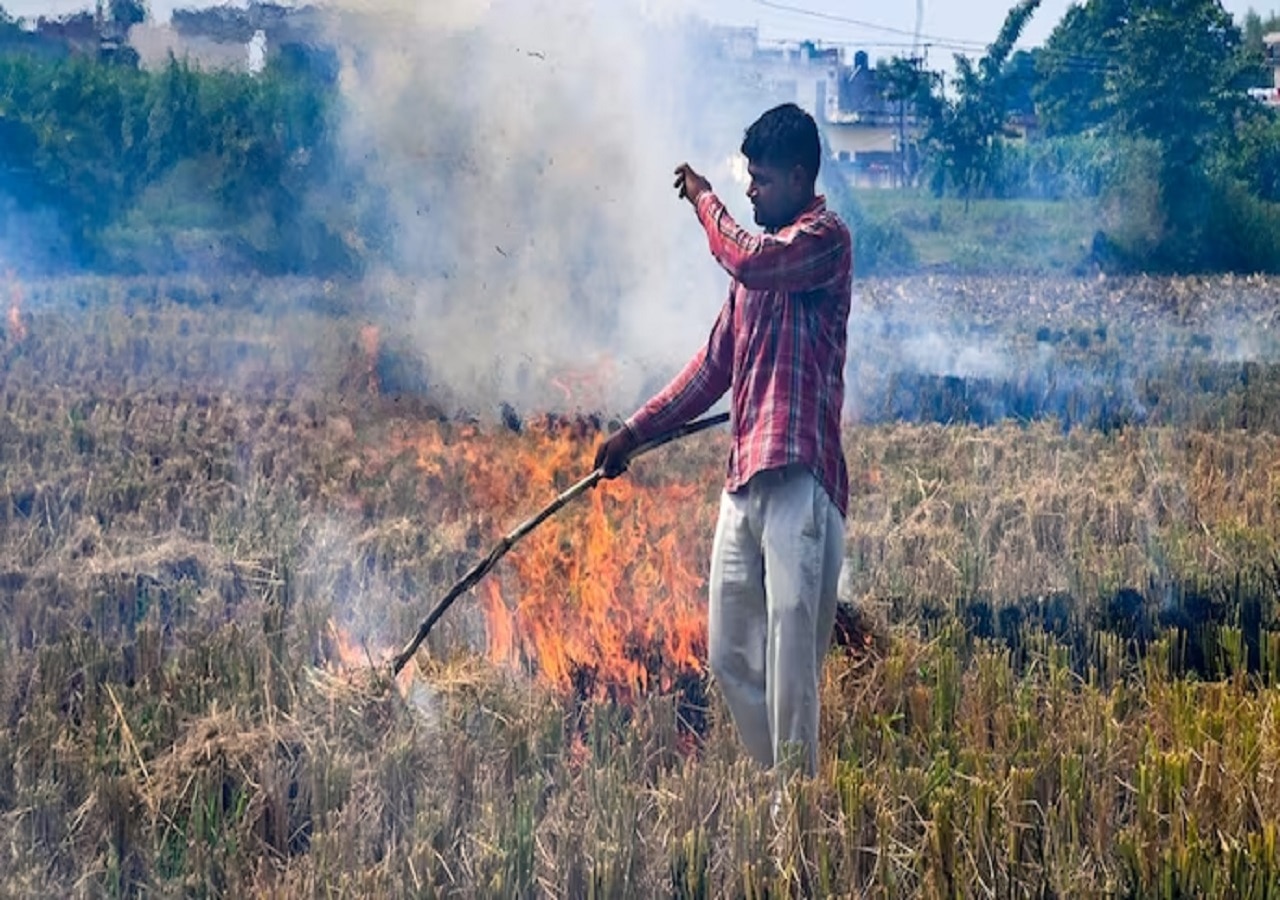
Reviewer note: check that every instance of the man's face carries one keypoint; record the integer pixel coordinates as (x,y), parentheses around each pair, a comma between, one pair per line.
(777,194)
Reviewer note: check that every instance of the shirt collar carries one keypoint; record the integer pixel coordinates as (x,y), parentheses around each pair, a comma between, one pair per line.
(818,205)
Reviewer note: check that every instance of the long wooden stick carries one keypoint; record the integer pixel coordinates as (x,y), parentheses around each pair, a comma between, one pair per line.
(511,538)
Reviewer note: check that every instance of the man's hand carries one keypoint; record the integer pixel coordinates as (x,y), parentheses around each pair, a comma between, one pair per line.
(613,454)
(690,184)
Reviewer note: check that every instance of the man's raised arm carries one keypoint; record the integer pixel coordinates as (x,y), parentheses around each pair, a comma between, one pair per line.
(798,257)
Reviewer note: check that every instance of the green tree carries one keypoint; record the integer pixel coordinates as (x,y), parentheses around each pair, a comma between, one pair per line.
(1255,157)
(1178,79)
(271,135)
(1168,74)
(1071,91)
(1253,31)
(964,133)
(176,123)
(1021,77)
(1178,74)
(910,88)
(80,132)
(124,159)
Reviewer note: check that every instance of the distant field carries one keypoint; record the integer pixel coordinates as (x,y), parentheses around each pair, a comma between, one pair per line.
(218,508)
(1048,237)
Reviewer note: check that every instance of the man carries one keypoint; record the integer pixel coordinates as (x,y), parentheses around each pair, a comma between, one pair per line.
(779,345)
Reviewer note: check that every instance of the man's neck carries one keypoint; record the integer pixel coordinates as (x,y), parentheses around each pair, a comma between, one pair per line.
(794,217)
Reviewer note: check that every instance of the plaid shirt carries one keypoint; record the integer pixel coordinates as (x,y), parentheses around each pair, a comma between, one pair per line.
(778,342)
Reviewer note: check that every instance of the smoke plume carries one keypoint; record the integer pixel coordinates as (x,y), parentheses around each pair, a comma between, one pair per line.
(526,151)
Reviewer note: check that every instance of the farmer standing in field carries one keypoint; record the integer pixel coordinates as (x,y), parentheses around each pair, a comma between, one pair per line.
(778,344)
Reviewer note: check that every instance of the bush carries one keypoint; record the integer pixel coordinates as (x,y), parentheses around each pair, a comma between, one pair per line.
(1162,220)
(881,248)
(1243,233)
(1064,168)
(1133,218)
(1256,158)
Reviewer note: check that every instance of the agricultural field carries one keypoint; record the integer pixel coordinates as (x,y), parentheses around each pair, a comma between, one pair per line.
(223,508)
(1050,237)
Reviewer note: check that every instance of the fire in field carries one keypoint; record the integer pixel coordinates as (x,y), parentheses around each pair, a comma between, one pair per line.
(606,599)
(305,345)
(1061,672)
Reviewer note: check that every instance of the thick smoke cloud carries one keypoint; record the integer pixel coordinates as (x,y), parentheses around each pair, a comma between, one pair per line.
(526,152)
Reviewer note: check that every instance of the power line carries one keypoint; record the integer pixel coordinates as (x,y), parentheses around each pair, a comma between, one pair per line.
(870,26)
(1073,61)
(959,45)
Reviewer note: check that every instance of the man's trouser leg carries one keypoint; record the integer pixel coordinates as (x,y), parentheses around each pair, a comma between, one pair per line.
(775,566)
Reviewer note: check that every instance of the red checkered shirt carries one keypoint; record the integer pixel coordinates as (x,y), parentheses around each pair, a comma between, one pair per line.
(778,342)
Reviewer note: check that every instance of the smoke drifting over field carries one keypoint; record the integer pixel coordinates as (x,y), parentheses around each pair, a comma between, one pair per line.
(527,150)
(520,154)
(542,258)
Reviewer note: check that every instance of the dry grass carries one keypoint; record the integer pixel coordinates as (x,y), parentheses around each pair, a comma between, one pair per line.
(178,552)
(1008,512)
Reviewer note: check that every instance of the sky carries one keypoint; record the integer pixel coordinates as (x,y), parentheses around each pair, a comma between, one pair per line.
(882,27)
(887,25)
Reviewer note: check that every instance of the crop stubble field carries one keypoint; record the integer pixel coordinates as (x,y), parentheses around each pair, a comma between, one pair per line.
(219,514)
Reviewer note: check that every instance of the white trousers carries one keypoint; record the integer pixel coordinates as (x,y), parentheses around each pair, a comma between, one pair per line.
(775,567)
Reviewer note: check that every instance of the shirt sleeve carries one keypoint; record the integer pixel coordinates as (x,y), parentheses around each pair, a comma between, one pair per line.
(799,257)
(701,383)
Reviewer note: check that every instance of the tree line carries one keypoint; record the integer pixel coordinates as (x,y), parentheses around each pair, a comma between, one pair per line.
(118,165)
(1143,102)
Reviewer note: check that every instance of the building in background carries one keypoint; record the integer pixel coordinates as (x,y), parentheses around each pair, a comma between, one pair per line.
(1270,95)
(230,38)
(101,32)
(871,137)
(872,140)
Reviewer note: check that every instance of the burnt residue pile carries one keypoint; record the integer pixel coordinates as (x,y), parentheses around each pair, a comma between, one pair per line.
(1210,629)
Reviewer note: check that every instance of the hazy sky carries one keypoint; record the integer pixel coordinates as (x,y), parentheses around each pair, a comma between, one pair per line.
(887,25)
(890,23)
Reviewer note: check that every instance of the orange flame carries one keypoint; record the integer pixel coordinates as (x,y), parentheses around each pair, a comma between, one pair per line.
(17,330)
(607,597)
(348,654)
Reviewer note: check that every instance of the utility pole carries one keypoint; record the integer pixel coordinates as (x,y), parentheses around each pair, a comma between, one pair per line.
(902,101)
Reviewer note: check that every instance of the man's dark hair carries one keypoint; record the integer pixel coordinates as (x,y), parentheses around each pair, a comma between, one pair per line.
(785,136)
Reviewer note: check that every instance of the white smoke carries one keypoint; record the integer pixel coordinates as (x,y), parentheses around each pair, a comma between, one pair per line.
(943,354)
(527,151)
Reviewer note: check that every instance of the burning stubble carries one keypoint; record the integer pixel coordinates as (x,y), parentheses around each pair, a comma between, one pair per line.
(525,150)
(606,599)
